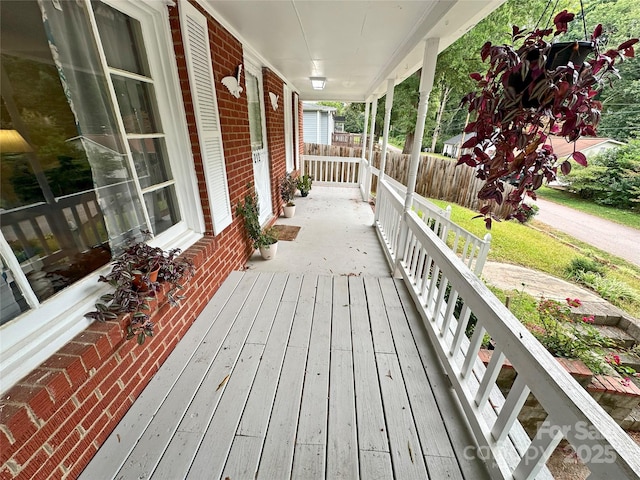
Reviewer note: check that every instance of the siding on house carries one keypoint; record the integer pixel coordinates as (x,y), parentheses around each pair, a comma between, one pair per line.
(55,419)
(310,123)
(318,123)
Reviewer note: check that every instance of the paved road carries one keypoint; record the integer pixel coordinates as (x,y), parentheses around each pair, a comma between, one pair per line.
(611,237)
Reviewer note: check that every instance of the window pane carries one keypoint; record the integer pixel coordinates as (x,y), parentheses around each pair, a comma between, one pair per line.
(255,114)
(150,159)
(12,303)
(68,197)
(50,215)
(121,36)
(134,99)
(162,206)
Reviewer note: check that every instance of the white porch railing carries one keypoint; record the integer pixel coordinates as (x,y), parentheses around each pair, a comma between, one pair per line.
(471,249)
(345,170)
(323,169)
(447,294)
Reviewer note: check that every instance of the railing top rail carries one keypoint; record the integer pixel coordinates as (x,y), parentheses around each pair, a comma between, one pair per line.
(566,402)
(396,199)
(434,209)
(331,158)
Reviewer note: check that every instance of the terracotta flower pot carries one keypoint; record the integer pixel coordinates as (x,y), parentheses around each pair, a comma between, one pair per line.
(140,284)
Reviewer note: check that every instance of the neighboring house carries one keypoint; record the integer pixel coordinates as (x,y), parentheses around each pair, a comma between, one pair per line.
(587,145)
(452,145)
(318,123)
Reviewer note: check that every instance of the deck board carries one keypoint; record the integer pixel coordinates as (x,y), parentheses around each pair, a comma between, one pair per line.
(372,434)
(298,376)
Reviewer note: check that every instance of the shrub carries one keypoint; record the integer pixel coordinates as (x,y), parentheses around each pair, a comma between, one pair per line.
(612,178)
(608,288)
(530,212)
(580,265)
(562,337)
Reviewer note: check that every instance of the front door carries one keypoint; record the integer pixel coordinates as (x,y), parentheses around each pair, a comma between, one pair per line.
(259,151)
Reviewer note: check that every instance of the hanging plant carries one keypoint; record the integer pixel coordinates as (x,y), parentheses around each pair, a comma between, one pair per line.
(528,93)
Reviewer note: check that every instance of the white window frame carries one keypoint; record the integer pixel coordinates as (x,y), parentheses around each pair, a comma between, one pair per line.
(31,338)
(252,66)
(289,147)
(296,130)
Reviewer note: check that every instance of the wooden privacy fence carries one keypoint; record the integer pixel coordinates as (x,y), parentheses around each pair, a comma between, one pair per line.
(437,177)
(346,139)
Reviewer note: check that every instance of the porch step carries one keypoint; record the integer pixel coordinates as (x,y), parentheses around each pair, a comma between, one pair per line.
(632,422)
(619,337)
(603,312)
(628,359)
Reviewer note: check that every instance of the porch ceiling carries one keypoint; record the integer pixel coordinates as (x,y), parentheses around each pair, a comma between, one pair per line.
(357,45)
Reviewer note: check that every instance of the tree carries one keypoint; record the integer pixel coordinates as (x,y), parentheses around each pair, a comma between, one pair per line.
(620,20)
(612,178)
(354,118)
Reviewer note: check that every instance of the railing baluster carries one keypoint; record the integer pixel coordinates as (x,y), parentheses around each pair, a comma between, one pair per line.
(444,282)
(510,410)
(420,268)
(433,287)
(43,241)
(490,376)
(546,440)
(472,352)
(461,328)
(81,232)
(92,223)
(454,246)
(448,315)
(426,276)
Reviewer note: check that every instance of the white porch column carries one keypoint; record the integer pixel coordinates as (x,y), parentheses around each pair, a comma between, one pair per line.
(363,171)
(363,142)
(426,84)
(387,120)
(374,111)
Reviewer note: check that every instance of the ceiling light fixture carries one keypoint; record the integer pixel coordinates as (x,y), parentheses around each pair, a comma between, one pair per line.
(317,82)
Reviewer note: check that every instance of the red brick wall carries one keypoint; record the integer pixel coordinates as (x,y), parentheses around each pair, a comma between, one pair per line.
(275,134)
(55,419)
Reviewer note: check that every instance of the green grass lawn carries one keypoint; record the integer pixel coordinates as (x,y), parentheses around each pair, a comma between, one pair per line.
(624,217)
(544,249)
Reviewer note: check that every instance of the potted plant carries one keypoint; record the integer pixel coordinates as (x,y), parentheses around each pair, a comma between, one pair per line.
(288,187)
(523,98)
(304,184)
(266,240)
(268,243)
(136,277)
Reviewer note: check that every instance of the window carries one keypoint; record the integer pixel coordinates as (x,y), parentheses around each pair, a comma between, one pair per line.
(92,143)
(255,111)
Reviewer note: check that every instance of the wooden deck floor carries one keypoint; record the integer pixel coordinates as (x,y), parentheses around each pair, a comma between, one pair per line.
(296,376)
